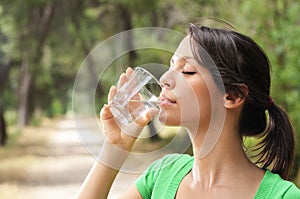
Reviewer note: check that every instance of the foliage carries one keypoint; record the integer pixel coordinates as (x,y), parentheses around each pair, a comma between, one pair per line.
(54,44)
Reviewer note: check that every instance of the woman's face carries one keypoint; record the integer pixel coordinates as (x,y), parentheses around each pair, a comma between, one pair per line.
(187,91)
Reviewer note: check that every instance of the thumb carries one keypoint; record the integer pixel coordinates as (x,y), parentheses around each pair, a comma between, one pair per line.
(105,113)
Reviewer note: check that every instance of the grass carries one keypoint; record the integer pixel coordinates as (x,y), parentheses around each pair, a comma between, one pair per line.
(12,138)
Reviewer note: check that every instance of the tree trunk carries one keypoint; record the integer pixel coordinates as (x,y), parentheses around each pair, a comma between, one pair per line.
(125,16)
(23,92)
(4,71)
(39,27)
(3,132)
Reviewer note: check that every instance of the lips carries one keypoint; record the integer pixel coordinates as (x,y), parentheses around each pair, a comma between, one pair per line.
(168,101)
(164,100)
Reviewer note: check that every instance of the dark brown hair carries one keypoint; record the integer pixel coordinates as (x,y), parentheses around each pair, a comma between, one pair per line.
(240,61)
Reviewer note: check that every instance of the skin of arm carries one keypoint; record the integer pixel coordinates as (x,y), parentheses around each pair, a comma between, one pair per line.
(99,181)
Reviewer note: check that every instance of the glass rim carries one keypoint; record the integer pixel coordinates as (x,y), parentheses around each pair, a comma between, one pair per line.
(149,73)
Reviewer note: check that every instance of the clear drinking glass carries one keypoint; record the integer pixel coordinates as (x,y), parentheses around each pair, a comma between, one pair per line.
(136,97)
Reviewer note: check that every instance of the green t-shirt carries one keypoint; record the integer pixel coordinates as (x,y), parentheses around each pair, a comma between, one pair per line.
(163,177)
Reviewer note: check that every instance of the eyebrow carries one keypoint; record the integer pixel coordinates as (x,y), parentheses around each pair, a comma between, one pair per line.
(188,57)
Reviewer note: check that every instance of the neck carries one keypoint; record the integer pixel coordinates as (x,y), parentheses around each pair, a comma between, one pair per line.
(226,159)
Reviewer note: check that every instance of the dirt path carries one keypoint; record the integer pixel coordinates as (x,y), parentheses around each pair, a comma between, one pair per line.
(50,162)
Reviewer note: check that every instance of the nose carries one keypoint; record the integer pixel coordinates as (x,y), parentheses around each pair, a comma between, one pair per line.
(166,80)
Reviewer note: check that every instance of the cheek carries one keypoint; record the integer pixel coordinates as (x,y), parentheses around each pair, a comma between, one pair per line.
(170,117)
(195,103)
(183,112)
(189,105)
(204,100)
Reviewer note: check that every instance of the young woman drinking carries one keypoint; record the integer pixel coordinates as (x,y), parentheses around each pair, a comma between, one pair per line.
(218,88)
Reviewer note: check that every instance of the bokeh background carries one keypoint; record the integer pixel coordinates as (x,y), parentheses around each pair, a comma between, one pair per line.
(44,42)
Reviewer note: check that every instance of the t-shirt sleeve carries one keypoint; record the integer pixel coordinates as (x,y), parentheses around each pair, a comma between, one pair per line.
(292,193)
(148,180)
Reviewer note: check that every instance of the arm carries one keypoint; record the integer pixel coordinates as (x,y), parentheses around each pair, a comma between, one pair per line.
(98,182)
(103,173)
(114,152)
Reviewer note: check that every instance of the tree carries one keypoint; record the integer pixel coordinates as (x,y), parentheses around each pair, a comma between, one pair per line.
(4,71)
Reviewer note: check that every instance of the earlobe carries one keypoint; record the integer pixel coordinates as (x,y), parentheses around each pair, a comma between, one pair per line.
(231,101)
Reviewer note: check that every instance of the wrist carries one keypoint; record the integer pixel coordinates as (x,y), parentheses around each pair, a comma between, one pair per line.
(132,129)
(112,155)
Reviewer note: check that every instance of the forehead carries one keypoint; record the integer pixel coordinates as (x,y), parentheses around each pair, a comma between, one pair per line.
(184,48)
(184,51)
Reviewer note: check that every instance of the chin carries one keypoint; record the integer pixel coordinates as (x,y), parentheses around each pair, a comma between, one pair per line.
(169,120)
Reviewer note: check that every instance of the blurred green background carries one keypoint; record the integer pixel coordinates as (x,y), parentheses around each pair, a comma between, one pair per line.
(44,42)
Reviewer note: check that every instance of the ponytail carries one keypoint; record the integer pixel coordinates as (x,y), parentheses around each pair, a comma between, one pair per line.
(276,150)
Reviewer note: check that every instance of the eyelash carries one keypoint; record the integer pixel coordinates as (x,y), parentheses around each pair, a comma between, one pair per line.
(188,73)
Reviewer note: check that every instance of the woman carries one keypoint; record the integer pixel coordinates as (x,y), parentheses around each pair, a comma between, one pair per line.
(240,86)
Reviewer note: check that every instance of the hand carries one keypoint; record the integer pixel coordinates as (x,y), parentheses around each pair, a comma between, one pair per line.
(115,134)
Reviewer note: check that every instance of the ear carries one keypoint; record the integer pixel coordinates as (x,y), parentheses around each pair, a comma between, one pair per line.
(232,101)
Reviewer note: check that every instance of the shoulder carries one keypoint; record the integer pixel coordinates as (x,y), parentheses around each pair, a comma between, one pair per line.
(162,173)
(170,162)
(172,159)
(293,192)
(273,186)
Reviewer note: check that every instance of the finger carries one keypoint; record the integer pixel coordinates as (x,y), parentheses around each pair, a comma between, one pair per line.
(122,80)
(112,92)
(147,117)
(105,113)
(136,97)
(152,113)
(129,72)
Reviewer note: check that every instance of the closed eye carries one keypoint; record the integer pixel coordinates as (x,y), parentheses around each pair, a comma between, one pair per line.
(188,72)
